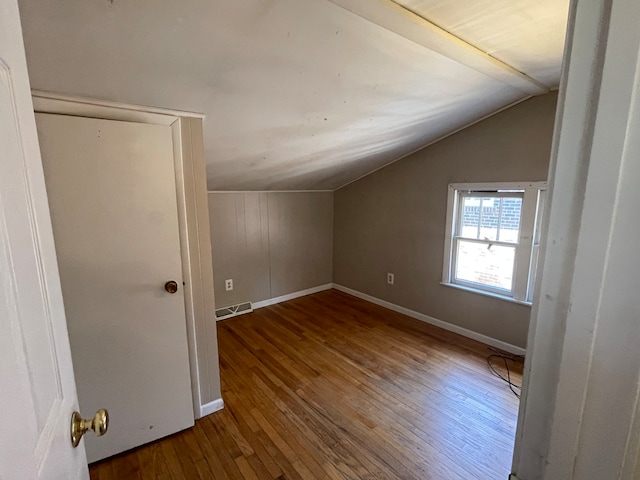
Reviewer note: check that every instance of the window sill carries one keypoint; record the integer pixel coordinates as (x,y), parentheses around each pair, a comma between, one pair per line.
(486,294)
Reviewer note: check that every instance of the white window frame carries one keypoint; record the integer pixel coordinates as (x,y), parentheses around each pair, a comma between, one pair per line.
(526,249)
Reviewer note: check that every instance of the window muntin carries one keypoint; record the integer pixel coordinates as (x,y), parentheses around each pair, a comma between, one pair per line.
(492,238)
(486,235)
(490,216)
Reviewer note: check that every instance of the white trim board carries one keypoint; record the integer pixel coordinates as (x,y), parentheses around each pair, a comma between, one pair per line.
(291,296)
(507,347)
(211,407)
(50,102)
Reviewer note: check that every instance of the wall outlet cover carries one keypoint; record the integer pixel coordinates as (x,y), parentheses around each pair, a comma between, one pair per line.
(228,285)
(390,278)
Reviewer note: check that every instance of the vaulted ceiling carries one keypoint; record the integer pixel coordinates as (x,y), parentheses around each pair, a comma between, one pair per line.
(301,94)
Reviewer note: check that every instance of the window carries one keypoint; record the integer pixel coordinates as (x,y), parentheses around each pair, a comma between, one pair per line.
(492,238)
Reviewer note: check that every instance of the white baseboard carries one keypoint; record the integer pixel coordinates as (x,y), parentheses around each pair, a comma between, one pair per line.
(211,407)
(291,296)
(507,347)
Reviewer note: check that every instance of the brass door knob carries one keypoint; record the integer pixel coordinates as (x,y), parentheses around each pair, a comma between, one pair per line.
(171,286)
(98,424)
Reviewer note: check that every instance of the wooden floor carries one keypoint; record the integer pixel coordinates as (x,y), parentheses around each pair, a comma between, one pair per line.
(331,387)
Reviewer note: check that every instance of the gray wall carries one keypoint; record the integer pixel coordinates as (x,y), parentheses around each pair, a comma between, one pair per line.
(270,244)
(394,220)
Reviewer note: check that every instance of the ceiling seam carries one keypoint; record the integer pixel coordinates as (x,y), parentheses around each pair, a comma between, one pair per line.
(365,9)
(449,32)
(439,139)
(271,191)
(422,147)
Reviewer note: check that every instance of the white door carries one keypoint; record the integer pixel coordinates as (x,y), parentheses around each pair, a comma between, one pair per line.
(112,194)
(37,391)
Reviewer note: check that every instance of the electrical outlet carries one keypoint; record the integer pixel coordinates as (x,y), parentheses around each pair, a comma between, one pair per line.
(390,278)
(228,285)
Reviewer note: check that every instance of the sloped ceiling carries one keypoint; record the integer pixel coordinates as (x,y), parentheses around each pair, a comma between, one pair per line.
(524,34)
(301,94)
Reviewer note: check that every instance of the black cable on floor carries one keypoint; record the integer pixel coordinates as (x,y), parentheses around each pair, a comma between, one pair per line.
(504,357)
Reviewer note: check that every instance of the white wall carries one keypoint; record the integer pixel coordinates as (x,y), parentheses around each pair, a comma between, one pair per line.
(579,411)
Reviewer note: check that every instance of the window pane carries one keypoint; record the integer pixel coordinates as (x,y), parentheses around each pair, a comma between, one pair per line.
(470,217)
(510,219)
(490,212)
(486,264)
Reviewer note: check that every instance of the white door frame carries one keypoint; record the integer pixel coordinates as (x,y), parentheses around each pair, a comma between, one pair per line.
(193,218)
(580,410)
(37,385)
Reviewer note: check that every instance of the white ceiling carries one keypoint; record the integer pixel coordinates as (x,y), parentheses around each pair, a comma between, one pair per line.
(301,94)
(526,34)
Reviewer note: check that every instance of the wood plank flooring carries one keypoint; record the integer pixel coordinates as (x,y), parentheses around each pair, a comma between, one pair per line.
(332,387)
